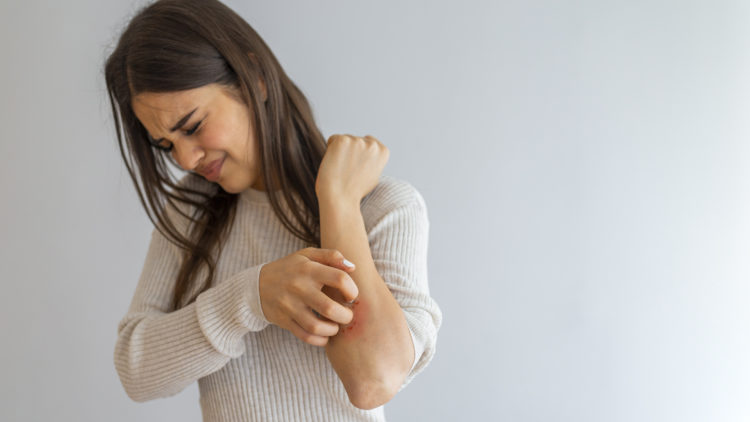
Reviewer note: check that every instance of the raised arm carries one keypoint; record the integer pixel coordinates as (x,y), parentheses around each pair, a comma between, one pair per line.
(394,329)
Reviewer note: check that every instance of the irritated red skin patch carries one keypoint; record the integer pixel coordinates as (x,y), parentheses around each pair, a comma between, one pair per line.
(354,328)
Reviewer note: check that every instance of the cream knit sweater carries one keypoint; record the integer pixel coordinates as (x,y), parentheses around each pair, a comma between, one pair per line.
(247,368)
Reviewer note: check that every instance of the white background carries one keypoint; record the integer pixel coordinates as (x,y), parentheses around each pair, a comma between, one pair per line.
(584,163)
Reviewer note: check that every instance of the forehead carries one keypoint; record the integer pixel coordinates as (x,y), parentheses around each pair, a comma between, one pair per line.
(159,111)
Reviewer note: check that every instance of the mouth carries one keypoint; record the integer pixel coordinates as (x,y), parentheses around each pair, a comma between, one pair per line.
(212,170)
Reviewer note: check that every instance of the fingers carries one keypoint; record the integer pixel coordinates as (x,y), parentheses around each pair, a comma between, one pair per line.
(328,272)
(315,326)
(336,279)
(341,136)
(368,139)
(303,323)
(305,336)
(331,309)
(330,257)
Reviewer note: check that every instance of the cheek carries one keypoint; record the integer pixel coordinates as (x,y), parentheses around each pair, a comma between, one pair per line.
(213,139)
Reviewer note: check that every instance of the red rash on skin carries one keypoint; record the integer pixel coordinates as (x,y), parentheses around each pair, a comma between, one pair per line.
(354,327)
(359,309)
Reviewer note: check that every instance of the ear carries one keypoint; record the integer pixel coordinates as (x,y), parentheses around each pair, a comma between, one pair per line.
(262,83)
(263,88)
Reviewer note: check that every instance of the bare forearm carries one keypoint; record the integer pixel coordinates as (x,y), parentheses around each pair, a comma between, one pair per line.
(373,354)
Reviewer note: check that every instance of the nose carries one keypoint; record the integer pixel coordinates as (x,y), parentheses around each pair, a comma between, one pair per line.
(187,154)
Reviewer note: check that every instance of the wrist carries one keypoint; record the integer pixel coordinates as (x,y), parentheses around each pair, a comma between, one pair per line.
(328,198)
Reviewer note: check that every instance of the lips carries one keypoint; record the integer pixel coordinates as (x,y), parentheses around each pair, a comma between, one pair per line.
(212,170)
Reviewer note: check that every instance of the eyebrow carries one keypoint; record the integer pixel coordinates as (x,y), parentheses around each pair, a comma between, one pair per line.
(180,123)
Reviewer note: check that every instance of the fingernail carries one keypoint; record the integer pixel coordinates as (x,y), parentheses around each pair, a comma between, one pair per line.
(348,264)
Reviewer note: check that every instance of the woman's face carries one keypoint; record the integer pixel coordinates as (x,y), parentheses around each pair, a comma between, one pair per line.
(210,132)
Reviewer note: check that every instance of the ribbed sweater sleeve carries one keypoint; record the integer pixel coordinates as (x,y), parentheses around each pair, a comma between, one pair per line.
(159,353)
(398,242)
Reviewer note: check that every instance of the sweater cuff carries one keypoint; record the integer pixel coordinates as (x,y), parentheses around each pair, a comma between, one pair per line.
(417,341)
(230,310)
(424,348)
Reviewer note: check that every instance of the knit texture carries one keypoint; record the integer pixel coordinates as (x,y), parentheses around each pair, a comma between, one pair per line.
(247,368)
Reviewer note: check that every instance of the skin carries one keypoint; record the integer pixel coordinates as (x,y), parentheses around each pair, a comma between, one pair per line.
(367,341)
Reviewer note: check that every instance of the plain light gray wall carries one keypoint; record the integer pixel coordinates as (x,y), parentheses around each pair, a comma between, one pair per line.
(585,166)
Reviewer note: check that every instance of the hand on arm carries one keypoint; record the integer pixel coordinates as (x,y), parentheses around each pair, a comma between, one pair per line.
(290,293)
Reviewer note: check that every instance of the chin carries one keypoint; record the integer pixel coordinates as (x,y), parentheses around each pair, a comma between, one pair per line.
(231,186)
(229,189)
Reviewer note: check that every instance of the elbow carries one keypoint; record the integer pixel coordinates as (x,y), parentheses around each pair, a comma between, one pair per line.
(136,396)
(139,393)
(371,396)
(140,387)
(376,392)
(134,391)
(133,382)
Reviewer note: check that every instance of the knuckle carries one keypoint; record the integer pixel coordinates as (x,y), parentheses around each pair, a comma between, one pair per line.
(286,307)
(306,337)
(317,328)
(315,340)
(342,279)
(309,250)
(328,309)
(296,287)
(307,267)
(338,138)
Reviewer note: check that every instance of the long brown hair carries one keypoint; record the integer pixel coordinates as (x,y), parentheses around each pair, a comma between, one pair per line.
(174,45)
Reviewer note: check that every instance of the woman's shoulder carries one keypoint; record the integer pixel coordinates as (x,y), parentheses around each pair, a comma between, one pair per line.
(389,195)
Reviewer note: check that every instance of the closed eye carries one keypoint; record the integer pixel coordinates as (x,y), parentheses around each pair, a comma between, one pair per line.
(159,144)
(194,129)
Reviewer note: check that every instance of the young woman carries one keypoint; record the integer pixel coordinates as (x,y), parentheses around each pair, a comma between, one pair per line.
(285,274)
